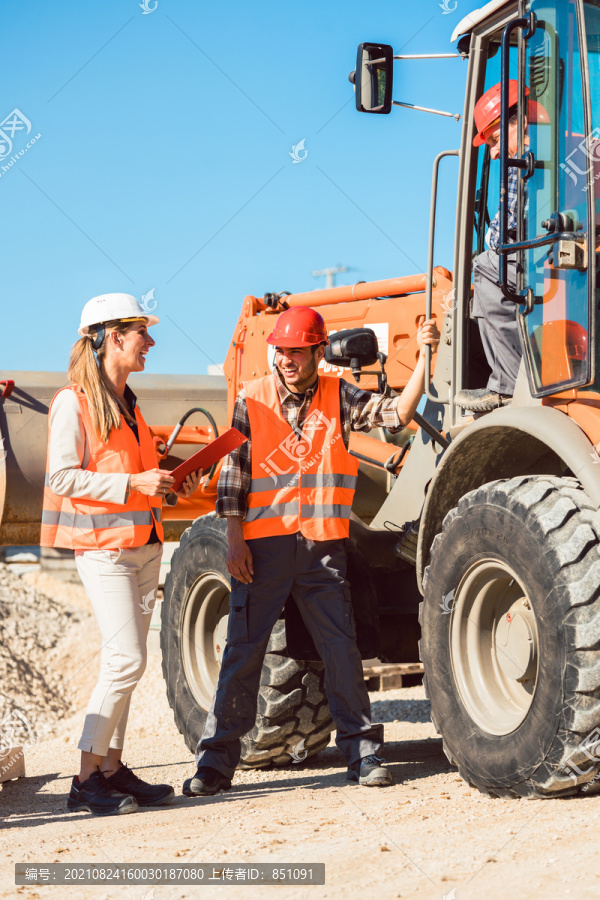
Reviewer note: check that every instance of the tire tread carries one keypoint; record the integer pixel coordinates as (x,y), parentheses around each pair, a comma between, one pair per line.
(292,703)
(560,509)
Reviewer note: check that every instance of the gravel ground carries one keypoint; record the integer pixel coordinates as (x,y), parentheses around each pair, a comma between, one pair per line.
(32,625)
(429,836)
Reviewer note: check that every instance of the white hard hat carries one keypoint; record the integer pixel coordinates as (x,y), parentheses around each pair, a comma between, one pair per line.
(107,307)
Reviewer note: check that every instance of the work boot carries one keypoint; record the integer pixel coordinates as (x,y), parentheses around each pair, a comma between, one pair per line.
(146,794)
(97,796)
(371,771)
(481,399)
(206,782)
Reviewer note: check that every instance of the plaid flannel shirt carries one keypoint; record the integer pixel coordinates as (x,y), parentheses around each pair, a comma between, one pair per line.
(493,234)
(359,411)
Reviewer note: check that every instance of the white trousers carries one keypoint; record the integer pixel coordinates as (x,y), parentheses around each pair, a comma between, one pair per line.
(121,585)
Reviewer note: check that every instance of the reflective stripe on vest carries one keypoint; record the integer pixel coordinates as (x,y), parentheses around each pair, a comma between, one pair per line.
(272,512)
(326,511)
(46,515)
(328,479)
(273,482)
(101,520)
(324,479)
(300,482)
(80,524)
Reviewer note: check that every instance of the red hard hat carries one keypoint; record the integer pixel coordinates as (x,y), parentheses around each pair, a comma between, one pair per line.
(487,110)
(577,341)
(299,326)
(565,333)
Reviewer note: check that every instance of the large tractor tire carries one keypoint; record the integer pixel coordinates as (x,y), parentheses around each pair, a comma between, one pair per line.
(293,719)
(511,638)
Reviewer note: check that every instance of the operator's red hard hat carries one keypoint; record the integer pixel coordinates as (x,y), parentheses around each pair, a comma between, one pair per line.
(299,326)
(563,332)
(577,341)
(487,110)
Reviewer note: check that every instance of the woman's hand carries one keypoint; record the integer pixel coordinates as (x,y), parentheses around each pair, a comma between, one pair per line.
(153,483)
(189,485)
(428,334)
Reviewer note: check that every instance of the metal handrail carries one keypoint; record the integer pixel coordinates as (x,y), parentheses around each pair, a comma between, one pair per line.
(579,237)
(429,284)
(506,162)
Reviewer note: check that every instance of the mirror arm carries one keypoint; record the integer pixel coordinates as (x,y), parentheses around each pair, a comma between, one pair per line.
(430,56)
(382,382)
(422,56)
(438,112)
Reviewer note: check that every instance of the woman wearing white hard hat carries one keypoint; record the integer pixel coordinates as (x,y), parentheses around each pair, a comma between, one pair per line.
(103,499)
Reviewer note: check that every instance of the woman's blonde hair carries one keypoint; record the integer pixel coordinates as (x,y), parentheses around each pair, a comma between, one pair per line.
(105,407)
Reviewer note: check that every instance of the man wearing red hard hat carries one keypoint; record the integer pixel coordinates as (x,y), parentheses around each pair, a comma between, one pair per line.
(287,495)
(495,314)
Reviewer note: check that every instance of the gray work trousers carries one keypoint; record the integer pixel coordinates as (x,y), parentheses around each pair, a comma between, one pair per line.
(314,572)
(497,320)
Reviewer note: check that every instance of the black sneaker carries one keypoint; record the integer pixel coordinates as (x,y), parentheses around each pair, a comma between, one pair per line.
(146,794)
(371,771)
(481,399)
(97,796)
(206,782)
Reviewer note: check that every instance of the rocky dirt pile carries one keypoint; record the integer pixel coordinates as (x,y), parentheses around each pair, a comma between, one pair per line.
(33,694)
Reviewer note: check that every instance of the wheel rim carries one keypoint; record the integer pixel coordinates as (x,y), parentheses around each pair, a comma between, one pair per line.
(494,646)
(203,633)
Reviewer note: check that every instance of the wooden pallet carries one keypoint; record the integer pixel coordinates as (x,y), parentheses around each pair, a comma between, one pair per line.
(13,764)
(392,676)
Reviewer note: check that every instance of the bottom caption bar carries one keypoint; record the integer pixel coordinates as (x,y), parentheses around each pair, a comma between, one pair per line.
(170,873)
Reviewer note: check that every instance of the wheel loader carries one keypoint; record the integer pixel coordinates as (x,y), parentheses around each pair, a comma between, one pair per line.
(474,540)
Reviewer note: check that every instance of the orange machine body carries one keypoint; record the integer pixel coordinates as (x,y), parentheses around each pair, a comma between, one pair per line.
(393,308)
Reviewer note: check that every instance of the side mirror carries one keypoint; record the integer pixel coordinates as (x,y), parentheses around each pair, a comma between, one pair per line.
(373,78)
(353,348)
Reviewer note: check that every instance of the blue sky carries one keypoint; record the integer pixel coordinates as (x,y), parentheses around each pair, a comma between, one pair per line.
(163,161)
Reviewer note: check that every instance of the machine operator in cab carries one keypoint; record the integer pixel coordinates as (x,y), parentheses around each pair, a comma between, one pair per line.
(495,314)
(287,534)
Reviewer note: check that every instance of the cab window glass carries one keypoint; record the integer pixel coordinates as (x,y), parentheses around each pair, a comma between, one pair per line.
(487,198)
(556,330)
(592,33)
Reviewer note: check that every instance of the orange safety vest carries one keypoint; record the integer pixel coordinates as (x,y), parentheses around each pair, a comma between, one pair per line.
(300,482)
(81,524)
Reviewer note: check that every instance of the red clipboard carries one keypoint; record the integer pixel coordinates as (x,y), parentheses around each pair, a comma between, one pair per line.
(210,454)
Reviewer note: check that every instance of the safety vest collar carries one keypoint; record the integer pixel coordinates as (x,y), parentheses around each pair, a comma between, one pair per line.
(284,391)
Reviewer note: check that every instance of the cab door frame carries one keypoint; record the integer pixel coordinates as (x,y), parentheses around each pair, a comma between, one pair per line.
(556,231)
(465,206)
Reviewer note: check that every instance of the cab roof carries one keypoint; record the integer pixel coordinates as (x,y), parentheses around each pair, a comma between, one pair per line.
(477,15)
